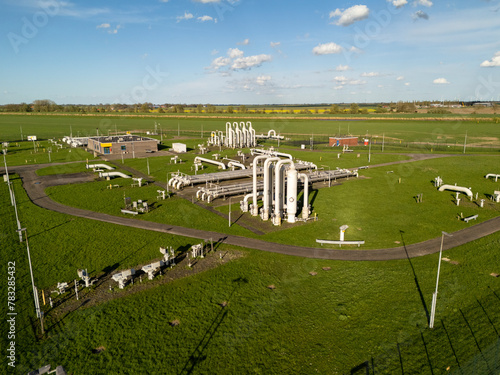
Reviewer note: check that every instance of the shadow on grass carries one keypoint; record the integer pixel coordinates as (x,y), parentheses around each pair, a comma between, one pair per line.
(198,355)
(422,299)
(451,344)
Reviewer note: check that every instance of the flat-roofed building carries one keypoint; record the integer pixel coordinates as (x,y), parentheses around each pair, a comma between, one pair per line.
(122,144)
(341,141)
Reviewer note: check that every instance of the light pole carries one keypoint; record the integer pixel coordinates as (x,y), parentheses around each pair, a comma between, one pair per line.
(35,294)
(229,212)
(434,295)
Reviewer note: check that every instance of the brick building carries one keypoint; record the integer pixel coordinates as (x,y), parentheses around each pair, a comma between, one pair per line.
(341,141)
(122,144)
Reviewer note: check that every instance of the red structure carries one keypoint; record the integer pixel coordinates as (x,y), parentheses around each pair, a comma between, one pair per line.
(341,141)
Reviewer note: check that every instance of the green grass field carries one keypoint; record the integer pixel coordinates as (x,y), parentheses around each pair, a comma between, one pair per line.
(326,317)
(328,323)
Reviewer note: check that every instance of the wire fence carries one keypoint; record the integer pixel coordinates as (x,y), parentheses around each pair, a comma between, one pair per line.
(466,342)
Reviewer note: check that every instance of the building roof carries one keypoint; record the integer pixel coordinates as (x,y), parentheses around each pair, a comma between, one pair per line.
(122,138)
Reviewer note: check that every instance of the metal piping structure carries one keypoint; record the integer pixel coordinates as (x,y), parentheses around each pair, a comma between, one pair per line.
(200,159)
(235,163)
(255,206)
(305,196)
(268,186)
(457,188)
(113,174)
(272,153)
(279,183)
(291,194)
(497,176)
(94,166)
(238,135)
(244,202)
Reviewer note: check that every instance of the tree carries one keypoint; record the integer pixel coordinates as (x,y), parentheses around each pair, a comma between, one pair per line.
(242,109)
(334,108)
(230,109)
(354,108)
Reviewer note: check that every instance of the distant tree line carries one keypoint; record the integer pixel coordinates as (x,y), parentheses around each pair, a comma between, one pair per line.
(48,106)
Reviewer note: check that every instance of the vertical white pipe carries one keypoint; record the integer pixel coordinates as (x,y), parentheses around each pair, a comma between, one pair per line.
(255,206)
(291,196)
(305,196)
(267,187)
(278,192)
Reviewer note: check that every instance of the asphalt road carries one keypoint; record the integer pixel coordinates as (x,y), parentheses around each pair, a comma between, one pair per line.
(35,188)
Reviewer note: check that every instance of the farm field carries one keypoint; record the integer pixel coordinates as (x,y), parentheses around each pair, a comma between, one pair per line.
(252,311)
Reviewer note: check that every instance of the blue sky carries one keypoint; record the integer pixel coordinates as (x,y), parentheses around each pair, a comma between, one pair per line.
(249,51)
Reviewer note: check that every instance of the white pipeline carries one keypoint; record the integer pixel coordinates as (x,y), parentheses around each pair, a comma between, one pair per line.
(305,195)
(93,166)
(457,188)
(200,159)
(267,186)
(255,206)
(279,181)
(113,174)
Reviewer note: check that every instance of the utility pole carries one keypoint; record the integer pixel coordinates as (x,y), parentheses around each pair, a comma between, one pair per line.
(434,295)
(465,141)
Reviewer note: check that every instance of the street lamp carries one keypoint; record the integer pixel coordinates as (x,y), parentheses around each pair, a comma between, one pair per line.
(434,295)
(35,294)
(229,212)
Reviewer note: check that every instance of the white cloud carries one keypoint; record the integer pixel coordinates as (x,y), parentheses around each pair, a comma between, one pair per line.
(342,81)
(355,50)
(103,26)
(357,82)
(250,61)
(246,42)
(398,3)
(275,44)
(220,62)
(207,1)
(327,48)
(425,3)
(440,81)
(371,74)
(342,68)
(400,78)
(261,80)
(186,16)
(115,30)
(205,18)
(419,14)
(495,61)
(407,83)
(234,53)
(350,15)
(236,61)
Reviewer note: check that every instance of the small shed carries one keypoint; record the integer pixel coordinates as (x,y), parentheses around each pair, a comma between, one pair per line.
(341,141)
(179,147)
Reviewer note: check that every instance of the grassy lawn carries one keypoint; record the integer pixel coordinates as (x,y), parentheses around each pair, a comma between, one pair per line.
(327,323)
(360,203)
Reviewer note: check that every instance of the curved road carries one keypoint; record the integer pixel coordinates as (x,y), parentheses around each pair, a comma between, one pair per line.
(35,187)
